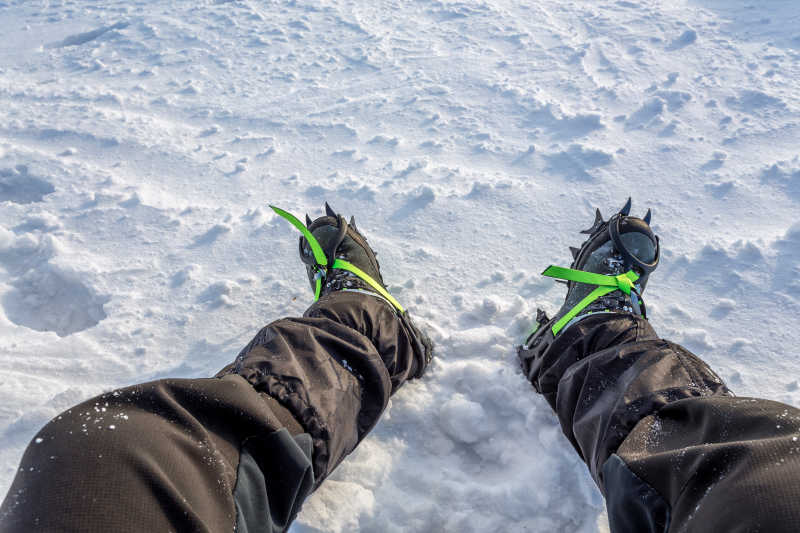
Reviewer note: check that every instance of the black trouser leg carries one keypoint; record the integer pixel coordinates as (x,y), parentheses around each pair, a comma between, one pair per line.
(668,444)
(160,456)
(242,450)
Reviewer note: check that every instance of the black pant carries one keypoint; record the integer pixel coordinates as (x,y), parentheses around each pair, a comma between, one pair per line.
(241,450)
(671,448)
(668,444)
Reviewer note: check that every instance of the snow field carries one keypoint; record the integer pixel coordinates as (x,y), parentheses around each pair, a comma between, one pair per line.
(140,143)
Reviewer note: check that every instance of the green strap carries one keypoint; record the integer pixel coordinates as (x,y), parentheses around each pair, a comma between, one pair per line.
(322,262)
(607,284)
(344,265)
(319,255)
(317,285)
(594,295)
(623,282)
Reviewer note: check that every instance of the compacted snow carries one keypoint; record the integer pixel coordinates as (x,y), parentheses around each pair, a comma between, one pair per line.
(140,143)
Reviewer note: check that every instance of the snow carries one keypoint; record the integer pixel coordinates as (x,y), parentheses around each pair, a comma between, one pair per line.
(140,143)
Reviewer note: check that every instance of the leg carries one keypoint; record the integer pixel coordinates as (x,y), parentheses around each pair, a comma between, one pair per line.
(160,456)
(240,451)
(670,447)
(668,444)
(367,354)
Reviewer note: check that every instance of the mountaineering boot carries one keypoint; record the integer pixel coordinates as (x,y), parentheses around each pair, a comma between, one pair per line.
(339,240)
(608,274)
(338,258)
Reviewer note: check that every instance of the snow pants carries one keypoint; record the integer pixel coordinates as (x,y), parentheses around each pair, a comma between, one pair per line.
(668,444)
(237,452)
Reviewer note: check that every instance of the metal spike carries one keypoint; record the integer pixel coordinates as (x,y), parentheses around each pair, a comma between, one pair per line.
(308,221)
(575,251)
(353,222)
(328,211)
(598,221)
(627,209)
(541,316)
(647,217)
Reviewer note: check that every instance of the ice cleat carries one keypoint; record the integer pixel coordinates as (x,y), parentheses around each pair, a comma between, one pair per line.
(338,258)
(608,274)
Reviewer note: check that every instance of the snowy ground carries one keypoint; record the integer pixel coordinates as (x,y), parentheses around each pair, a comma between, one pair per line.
(141,141)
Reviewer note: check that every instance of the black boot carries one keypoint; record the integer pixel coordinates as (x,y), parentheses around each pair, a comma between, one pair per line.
(339,240)
(623,251)
(338,258)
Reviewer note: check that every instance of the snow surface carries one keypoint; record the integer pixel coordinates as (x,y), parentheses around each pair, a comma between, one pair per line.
(141,141)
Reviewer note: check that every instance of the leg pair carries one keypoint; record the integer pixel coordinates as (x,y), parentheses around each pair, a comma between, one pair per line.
(668,444)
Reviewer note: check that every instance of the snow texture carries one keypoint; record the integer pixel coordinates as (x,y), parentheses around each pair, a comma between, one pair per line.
(140,143)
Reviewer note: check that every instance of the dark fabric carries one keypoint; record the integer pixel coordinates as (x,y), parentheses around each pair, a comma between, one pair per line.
(198,455)
(720,463)
(267,495)
(608,371)
(251,499)
(160,456)
(633,505)
(369,352)
(723,464)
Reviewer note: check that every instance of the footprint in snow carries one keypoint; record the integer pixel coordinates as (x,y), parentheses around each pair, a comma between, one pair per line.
(18,186)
